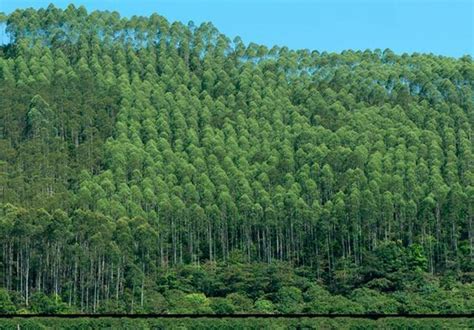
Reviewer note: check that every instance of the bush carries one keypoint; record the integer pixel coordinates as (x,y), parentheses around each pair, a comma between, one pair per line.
(241,303)
(41,303)
(375,302)
(222,306)
(289,300)
(195,303)
(6,304)
(264,306)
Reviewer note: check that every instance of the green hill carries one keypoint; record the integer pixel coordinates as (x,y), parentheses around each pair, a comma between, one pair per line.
(142,161)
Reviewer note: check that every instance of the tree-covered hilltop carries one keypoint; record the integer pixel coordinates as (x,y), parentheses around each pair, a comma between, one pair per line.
(131,148)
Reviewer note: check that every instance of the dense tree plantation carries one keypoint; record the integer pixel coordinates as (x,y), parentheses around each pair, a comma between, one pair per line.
(148,166)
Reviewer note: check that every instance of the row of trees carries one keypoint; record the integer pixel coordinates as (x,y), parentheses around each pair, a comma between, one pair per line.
(131,145)
(260,323)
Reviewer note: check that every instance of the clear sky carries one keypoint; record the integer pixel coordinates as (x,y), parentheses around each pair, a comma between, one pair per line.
(444,27)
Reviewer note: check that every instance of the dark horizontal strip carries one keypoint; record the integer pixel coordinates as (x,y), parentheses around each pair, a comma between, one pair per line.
(239,316)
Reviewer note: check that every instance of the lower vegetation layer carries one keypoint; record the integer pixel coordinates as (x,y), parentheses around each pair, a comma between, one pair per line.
(235,288)
(226,323)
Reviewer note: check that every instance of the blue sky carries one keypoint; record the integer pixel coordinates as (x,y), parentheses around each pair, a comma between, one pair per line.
(444,27)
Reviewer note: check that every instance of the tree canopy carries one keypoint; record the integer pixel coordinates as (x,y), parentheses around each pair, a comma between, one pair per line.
(133,145)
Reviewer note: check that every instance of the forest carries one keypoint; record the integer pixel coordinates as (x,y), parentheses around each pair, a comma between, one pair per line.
(149,166)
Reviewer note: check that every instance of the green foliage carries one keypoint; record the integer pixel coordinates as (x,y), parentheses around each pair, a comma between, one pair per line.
(41,303)
(289,300)
(149,166)
(240,302)
(264,306)
(374,302)
(224,323)
(194,303)
(320,301)
(6,304)
(417,260)
(222,306)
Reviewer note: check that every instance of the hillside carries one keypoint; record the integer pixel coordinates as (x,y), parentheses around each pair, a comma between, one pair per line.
(143,161)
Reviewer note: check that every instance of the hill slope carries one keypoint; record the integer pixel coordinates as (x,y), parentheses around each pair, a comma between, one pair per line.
(132,146)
